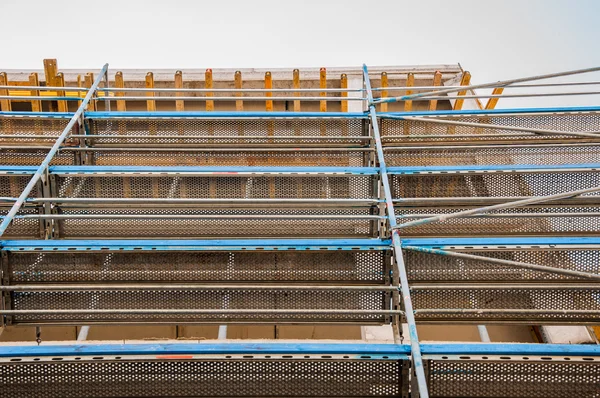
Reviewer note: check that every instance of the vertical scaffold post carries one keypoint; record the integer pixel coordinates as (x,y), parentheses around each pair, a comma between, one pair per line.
(43,167)
(417,360)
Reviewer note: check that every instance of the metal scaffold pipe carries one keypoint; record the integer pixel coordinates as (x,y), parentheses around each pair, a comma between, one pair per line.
(502,83)
(507,205)
(42,168)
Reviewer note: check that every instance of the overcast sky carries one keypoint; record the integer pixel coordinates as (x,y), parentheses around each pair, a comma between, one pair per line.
(494,40)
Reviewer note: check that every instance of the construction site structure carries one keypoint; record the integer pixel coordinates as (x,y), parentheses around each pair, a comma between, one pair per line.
(369,232)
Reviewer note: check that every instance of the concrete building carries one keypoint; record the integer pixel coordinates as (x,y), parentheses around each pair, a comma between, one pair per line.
(154,219)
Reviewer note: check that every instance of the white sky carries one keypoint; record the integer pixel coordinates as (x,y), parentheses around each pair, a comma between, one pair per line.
(494,40)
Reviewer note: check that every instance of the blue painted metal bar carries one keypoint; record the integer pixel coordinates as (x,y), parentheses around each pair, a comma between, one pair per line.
(477,167)
(503,241)
(416,358)
(224,114)
(217,169)
(585,350)
(511,349)
(205,348)
(205,244)
(18,169)
(43,167)
(60,115)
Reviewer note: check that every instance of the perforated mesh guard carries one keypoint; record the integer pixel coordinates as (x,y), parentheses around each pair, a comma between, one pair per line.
(34,157)
(218,377)
(180,129)
(542,298)
(423,267)
(353,158)
(234,187)
(416,130)
(23,228)
(13,185)
(576,224)
(144,227)
(30,126)
(500,155)
(492,184)
(540,378)
(326,266)
(201,299)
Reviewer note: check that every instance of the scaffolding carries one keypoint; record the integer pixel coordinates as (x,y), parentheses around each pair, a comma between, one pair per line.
(369,216)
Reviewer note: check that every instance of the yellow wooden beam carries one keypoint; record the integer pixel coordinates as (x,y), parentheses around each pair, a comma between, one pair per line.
(5,104)
(323,84)
(491,104)
(50,70)
(237,81)
(464,81)
(296,82)
(208,84)
(60,82)
(384,93)
(268,86)
(437,81)
(89,80)
(120,83)
(410,82)
(179,104)
(36,104)
(150,104)
(344,85)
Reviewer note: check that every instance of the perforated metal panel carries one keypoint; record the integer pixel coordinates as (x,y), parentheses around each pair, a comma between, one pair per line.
(422,267)
(498,155)
(33,157)
(199,131)
(12,185)
(567,298)
(31,126)
(418,131)
(179,186)
(492,184)
(514,377)
(576,223)
(238,227)
(300,299)
(23,228)
(220,376)
(364,267)
(352,158)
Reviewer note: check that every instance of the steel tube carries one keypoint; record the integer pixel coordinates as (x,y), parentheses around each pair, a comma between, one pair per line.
(509,286)
(510,263)
(342,202)
(136,149)
(174,286)
(39,97)
(468,96)
(488,146)
(197,311)
(44,165)
(504,311)
(486,209)
(511,215)
(231,90)
(274,98)
(416,356)
(420,88)
(593,134)
(218,137)
(502,83)
(195,217)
